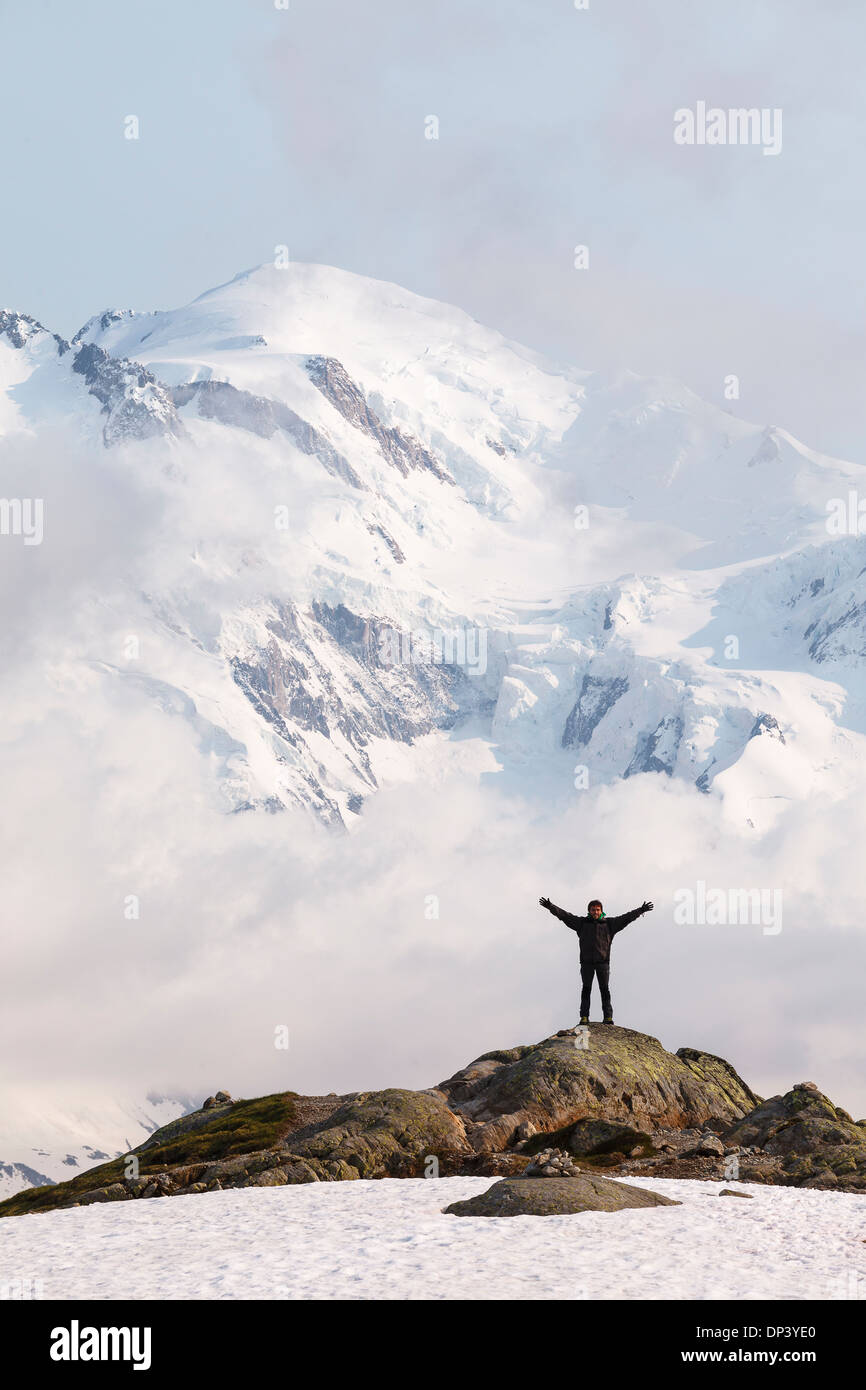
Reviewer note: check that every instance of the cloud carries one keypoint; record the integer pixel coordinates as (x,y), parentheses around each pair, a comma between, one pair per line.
(157,942)
(555,130)
(397,953)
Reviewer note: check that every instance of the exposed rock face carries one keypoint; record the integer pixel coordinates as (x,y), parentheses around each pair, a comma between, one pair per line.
(657,752)
(767,725)
(597,696)
(217,400)
(376,530)
(221,1098)
(19,329)
(622,1075)
(17,1171)
(556,1197)
(624,1103)
(401,450)
(389,1134)
(815,1141)
(100,322)
(137,405)
(322,673)
(600,1138)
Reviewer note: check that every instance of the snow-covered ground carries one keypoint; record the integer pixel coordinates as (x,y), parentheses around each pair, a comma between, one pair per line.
(388,1239)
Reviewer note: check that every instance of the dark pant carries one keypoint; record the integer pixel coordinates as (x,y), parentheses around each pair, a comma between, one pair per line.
(602,974)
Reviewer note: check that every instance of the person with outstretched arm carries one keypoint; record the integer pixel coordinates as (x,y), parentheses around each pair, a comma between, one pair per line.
(595,933)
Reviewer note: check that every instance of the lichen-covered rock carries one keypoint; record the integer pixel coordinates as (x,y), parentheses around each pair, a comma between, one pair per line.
(389,1134)
(817,1142)
(298,1171)
(556,1197)
(115,1192)
(622,1075)
(274,1177)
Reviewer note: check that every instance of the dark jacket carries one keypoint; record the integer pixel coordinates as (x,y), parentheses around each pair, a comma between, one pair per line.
(595,936)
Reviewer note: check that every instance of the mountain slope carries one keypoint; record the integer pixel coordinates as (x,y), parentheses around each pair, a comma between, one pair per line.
(388,467)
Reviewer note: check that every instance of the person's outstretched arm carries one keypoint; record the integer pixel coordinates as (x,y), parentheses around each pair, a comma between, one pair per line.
(617,923)
(567,917)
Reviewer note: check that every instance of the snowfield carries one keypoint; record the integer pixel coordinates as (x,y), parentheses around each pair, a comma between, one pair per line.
(388,1239)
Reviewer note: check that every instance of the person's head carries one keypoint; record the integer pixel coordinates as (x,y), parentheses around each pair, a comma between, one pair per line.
(595,909)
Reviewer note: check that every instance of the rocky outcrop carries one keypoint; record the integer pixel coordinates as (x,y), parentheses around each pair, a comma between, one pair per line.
(218,400)
(609,1097)
(389,1134)
(598,695)
(767,726)
(20,329)
(401,450)
(556,1197)
(221,1098)
(137,405)
(815,1141)
(622,1075)
(99,323)
(328,672)
(657,751)
(595,1139)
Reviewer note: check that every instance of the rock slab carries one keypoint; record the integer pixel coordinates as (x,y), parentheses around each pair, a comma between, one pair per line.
(556,1197)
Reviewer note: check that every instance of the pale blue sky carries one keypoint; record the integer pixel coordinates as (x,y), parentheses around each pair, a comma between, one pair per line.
(306,126)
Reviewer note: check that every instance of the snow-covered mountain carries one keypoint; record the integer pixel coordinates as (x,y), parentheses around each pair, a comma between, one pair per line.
(52,1144)
(385,465)
(381,523)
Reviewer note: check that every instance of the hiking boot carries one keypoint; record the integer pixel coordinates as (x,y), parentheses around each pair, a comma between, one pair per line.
(609,1018)
(583,1020)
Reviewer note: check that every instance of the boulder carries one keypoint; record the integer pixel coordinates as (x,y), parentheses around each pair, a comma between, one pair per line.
(588,1138)
(708,1146)
(622,1076)
(556,1197)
